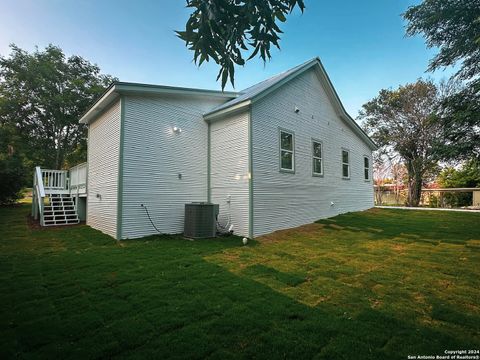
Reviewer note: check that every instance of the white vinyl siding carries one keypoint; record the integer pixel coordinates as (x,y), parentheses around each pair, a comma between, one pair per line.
(345,164)
(163,169)
(281,200)
(317,158)
(229,170)
(103,158)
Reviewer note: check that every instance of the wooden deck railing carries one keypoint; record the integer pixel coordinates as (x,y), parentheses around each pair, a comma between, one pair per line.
(78,179)
(38,196)
(55,179)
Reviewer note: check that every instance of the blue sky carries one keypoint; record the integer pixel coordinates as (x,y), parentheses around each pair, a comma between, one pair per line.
(361,43)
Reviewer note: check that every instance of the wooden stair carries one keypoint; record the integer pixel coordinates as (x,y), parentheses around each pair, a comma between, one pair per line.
(60,210)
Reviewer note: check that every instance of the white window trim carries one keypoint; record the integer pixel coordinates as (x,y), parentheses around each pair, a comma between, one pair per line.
(285,170)
(347,163)
(366,168)
(320,174)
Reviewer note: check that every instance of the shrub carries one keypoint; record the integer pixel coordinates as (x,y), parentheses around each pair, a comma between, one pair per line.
(458,199)
(12,179)
(433,201)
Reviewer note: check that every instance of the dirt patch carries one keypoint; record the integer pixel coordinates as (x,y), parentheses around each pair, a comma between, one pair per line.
(35,225)
(32,223)
(445,283)
(378,288)
(230,257)
(419,298)
(472,307)
(336,227)
(319,300)
(375,303)
(473,243)
(400,248)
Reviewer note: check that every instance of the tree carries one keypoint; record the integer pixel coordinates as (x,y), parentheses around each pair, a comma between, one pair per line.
(403,121)
(465,177)
(388,169)
(459,116)
(381,176)
(453,26)
(42,96)
(223,29)
(12,166)
(468,176)
(12,175)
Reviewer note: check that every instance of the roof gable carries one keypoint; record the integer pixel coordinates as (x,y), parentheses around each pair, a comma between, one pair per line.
(262,89)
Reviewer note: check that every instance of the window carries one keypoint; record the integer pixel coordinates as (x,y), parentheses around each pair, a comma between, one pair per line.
(366,167)
(345,164)
(317,163)
(287,151)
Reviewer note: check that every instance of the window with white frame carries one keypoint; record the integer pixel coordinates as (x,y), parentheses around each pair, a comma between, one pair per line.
(366,167)
(345,164)
(287,151)
(317,158)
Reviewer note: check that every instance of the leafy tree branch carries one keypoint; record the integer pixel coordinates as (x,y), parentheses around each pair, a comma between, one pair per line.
(222,30)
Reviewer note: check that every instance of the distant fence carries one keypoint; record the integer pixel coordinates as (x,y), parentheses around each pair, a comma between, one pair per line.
(443,198)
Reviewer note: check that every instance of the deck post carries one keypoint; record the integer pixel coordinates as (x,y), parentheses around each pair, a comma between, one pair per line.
(35,206)
(33,196)
(41,212)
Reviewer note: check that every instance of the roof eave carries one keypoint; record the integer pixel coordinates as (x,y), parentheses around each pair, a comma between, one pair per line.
(209,117)
(108,97)
(116,89)
(137,88)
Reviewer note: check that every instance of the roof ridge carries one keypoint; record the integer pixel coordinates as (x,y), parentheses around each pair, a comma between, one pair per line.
(278,75)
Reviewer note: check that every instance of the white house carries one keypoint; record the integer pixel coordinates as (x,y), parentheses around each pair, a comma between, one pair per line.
(279,154)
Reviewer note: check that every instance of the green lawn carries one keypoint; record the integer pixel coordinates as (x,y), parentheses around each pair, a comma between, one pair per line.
(377,284)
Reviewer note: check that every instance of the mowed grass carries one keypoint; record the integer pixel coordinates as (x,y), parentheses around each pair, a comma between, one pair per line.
(379,284)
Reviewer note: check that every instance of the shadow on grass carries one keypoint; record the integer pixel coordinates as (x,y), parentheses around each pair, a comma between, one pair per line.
(76,293)
(262,271)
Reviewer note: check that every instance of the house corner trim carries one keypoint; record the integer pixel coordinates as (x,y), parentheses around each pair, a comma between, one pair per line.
(120,170)
(250,178)
(209,168)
